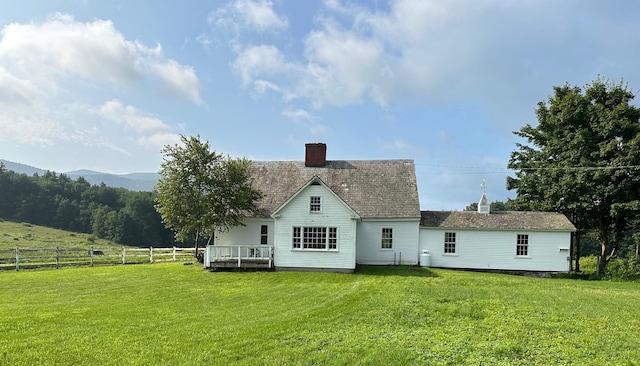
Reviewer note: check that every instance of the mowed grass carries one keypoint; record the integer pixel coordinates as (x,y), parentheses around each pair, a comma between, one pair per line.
(172,314)
(27,236)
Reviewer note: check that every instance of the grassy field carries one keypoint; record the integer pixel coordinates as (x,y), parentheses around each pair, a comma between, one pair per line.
(173,314)
(26,236)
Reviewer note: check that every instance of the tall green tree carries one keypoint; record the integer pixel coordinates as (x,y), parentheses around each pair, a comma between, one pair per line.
(201,192)
(582,159)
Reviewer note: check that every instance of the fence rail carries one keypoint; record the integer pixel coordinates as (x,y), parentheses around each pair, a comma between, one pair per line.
(59,257)
(248,256)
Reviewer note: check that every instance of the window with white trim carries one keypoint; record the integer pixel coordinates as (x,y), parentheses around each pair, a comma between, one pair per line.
(315,238)
(522,245)
(314,204)
(296,237)
(264,238)
(333,238)
(449,243)
(387,238)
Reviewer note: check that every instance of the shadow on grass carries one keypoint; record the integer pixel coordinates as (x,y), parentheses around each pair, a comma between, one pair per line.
(404,271)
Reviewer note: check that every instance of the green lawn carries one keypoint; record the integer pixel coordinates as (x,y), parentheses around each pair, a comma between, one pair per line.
(173,314)
(27,236)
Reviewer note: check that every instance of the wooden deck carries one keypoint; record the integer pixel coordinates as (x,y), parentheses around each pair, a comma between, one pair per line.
(239,256)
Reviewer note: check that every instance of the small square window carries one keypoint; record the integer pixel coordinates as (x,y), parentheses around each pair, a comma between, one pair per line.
(314,204)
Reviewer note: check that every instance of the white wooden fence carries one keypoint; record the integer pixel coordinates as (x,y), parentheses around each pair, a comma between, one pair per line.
(59,257)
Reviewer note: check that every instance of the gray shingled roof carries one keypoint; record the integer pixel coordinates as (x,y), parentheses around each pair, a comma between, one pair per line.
(372,188)
(507,220)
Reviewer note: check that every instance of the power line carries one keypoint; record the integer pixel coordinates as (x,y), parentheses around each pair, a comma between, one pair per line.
(488,170)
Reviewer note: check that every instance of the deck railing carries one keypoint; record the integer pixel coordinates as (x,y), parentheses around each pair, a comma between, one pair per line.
(239,255)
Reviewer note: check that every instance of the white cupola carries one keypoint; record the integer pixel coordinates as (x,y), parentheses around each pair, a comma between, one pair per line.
(484,207)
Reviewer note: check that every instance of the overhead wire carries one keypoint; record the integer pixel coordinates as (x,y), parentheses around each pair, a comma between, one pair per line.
(489,170)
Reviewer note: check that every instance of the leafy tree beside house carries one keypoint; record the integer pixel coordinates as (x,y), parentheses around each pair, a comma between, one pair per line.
(201,192)
(582,159)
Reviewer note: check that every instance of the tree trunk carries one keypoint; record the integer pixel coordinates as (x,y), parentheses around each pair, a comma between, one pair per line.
(576,250)
(602,258)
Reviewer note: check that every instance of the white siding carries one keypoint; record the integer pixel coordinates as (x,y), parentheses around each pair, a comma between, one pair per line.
(496,250)
(246,235)
(405,241)
(333,213)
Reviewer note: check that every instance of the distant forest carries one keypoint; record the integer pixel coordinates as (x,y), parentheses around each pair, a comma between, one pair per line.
(52,200)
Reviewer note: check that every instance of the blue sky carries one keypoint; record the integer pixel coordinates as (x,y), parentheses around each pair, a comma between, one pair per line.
(103,85)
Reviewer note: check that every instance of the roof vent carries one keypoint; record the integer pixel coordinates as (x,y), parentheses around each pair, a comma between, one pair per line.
(315,155)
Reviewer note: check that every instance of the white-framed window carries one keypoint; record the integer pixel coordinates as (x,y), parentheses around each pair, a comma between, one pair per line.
(264,237)
(315,238)
(449,243)
(386,241)
(297,238)
(315,204)
(333,238)
(522,245)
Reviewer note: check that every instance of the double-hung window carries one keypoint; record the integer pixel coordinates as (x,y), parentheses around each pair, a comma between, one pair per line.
(315,204)
(449,243)
(522,245)
(264,238)
(315,238)
(387,238)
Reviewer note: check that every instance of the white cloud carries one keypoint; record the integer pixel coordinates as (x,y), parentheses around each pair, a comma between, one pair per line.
(61,47)
(248,14)
(254,61)
(158,140)
(431,51)
(152,132)
(15,90)
(52,72)
(115,111)
(398,144)
(28,129)
(262,86)
(182,79)
(310,121)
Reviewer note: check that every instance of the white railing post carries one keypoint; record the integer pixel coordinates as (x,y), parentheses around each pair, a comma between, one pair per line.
(150,254)
(123,254)
(57,257)
(91,256)
(174,253)
(239,255)
(17,259)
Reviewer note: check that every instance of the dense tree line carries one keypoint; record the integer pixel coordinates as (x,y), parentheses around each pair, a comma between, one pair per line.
(55,200)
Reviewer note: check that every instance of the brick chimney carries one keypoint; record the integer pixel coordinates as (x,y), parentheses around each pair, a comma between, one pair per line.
(316,154)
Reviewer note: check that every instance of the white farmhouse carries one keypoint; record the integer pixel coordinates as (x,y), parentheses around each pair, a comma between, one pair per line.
(331,215)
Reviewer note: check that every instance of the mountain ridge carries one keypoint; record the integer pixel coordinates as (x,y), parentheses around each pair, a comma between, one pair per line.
(139,181)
